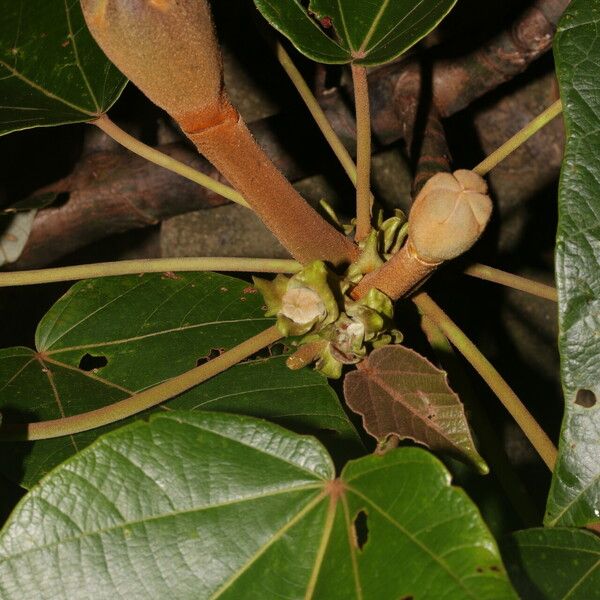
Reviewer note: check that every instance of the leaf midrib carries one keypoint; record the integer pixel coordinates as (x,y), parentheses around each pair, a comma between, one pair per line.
(429,423)
(154,334)
(417,542)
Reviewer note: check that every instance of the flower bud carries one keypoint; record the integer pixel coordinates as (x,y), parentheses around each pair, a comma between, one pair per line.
(449,215)
(168,48)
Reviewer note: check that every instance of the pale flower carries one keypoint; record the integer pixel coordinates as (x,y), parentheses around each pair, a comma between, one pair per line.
(302,305)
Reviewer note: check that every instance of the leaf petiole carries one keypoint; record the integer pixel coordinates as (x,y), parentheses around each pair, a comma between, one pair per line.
(151,265)
(518,139)
(535,434)
(316,111)
(514,281)
(141,401)
(158,158)
(363,152)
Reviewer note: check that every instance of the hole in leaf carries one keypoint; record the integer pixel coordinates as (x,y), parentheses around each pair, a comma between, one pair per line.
(361,529)
(276,349)
(411,597)
(212,354)
(89,362)
(328,432)
(585,398)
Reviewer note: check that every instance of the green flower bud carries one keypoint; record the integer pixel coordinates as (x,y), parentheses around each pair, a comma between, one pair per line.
(328,364)
(272,292)
(393,232)
(369,258)
(347,341)
(316,277)
(301,303)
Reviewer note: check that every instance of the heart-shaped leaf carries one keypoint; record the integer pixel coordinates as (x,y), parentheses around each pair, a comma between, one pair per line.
(207,505)
(554,564)
(108,338)
(51,70)
(399,392)
(366,33)
(575,493)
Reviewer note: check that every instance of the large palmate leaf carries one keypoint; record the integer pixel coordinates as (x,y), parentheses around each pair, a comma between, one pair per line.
(206,505)
(554,564)
(108,338)
(51,70)
(366,32)
(399,392)
(575,493)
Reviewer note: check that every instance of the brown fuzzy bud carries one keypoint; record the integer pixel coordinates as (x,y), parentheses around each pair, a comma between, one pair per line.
(449,215)
(168,48)
(446,219)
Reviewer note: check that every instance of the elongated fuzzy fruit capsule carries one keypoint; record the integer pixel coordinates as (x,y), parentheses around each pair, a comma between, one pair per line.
(446,219)
(168,48)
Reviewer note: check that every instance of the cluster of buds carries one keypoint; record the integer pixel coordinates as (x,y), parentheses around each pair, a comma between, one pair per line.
(328,327)
(334,320)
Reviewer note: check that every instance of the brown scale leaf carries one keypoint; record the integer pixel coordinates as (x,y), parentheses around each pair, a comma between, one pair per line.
(399,392)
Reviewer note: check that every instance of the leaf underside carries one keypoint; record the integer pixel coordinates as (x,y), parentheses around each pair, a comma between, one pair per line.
(51,69)
(399,392)
(207,505)
(575,493)
(108,338)
(366,33)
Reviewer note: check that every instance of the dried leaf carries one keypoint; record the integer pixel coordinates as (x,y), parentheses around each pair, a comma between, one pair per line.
(14,233)
(398,392)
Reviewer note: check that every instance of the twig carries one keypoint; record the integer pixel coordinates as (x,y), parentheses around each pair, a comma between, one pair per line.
(434,155)
(535,434)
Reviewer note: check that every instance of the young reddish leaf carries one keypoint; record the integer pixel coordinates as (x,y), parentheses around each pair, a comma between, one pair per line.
(398,392)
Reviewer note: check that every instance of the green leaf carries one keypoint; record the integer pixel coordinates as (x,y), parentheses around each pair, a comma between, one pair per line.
(108,338)
(575,493)
(207,505)
(552,564)
(51,70)
(399,392)
(367,33)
